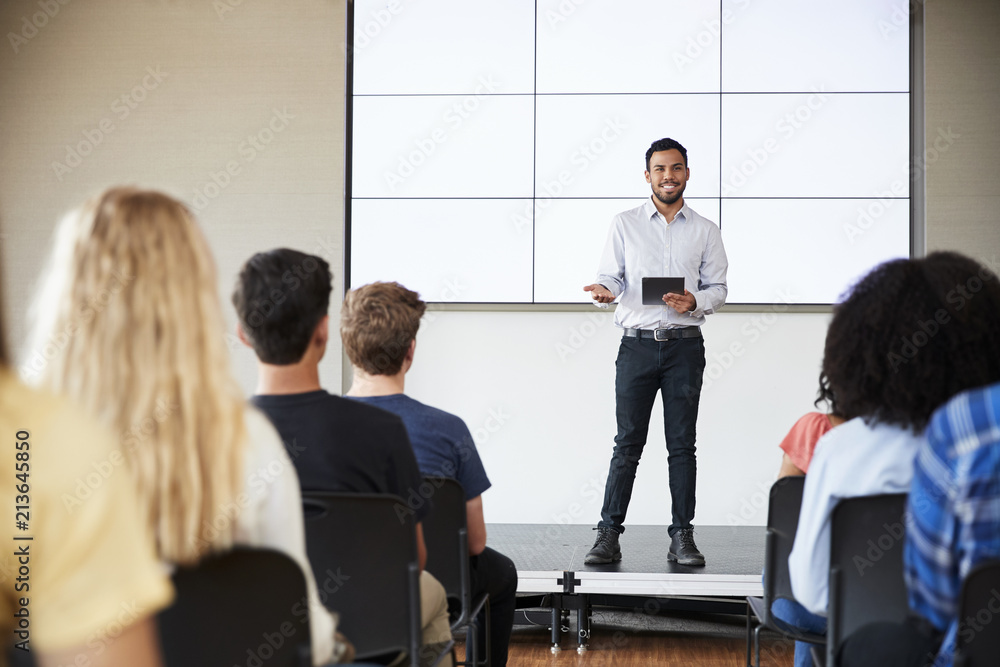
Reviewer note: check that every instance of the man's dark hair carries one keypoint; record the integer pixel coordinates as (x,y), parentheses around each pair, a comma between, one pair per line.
(666,145)
(280,297)
(909,336)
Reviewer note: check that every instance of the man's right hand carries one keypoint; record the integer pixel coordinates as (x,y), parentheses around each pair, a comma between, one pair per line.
(599,293)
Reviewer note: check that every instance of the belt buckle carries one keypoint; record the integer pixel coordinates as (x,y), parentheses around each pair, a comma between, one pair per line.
(656,335)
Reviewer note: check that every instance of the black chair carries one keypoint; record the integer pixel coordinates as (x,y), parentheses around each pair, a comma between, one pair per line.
(447,538)
(866,566)
(979,590)
(365,545)
(247,602)
(782,522)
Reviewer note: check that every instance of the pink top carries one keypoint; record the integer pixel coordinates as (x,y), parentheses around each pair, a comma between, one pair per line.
(801,441)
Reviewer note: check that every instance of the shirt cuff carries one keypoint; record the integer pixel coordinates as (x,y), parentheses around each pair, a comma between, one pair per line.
(699,300)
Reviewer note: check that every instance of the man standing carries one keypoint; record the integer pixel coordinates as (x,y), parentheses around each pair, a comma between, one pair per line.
(662,348)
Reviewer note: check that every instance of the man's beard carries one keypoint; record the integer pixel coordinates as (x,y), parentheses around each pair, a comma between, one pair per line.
(669,199)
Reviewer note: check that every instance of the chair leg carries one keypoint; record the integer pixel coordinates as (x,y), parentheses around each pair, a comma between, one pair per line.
(749,636)
(471,644)
(756,644)
(487,654)
(556,620)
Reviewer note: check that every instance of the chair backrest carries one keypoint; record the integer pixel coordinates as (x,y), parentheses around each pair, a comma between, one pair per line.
(866,566)
(363,552)
(979,602)
(245,606)
(446,536)
(782,522)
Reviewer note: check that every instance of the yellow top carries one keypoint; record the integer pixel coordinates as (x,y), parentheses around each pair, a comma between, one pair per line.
(91,567)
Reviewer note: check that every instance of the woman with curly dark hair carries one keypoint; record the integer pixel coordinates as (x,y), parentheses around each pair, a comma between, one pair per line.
(909,336)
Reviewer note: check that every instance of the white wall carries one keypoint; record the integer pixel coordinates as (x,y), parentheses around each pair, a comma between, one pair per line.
(537,391)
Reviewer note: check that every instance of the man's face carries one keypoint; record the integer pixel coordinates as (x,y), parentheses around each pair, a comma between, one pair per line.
(667,175)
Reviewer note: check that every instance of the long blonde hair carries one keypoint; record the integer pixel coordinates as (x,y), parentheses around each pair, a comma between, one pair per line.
(129,324)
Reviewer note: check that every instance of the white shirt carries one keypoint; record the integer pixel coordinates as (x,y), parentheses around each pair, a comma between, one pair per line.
(641,244)
(851,460)
(272,518)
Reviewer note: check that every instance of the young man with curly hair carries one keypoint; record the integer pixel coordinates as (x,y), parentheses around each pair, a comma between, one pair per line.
(901,344)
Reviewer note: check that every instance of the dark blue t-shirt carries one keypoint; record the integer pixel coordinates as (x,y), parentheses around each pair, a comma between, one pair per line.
(441,441)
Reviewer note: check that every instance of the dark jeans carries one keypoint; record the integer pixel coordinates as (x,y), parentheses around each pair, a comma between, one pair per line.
(645,366)
(494,573)
(795,614)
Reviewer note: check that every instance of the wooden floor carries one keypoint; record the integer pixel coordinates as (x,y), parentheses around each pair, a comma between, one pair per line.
(531,648)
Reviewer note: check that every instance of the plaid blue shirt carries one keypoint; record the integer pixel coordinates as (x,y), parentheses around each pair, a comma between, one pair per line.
(954,508)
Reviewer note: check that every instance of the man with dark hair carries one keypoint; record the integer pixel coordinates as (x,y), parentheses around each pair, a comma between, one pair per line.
(662,349)
(379,325)
(282,298)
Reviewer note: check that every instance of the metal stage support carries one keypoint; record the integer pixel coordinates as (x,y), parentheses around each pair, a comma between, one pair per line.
(644,581)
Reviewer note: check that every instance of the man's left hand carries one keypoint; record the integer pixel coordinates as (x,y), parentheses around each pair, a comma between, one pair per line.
(682,303)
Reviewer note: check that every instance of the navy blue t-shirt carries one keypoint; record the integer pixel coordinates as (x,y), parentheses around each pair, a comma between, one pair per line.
(441,441)
(339,445)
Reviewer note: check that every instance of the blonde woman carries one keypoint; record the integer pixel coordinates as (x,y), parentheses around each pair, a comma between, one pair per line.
(129,325)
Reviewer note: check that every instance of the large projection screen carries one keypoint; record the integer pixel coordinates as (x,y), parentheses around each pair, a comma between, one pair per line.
(490,143)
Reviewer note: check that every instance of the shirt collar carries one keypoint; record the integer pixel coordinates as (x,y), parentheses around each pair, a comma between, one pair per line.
(650,210)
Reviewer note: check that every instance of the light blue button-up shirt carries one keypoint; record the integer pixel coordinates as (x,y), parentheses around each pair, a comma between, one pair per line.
(642,244)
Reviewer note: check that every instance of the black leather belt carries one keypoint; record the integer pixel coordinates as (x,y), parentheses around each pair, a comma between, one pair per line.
(664,334)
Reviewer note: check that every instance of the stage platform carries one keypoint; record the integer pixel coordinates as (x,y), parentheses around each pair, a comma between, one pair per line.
(552,575)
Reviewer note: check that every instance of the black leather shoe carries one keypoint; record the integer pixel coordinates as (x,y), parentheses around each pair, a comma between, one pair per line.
(606,549)
(683,550)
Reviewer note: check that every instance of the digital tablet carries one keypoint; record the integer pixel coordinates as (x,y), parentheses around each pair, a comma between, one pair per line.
(653,289)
